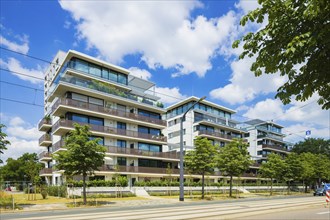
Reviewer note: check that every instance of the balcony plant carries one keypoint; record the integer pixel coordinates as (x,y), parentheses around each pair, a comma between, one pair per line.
(160,105)
(47,118)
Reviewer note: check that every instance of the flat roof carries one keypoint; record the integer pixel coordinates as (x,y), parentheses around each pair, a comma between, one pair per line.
(194,98)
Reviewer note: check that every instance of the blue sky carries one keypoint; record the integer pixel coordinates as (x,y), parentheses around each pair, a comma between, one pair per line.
(182,46)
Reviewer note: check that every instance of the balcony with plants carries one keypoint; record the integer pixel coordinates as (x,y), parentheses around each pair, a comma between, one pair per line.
(45,140)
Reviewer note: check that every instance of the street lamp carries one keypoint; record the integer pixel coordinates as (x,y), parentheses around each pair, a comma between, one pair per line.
(181,198)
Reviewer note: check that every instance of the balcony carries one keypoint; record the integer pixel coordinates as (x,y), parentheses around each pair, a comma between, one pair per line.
(223,122)
(215,135)
(44,125)
(271,136)
(131,152)
(45,140)
(45,156)
(46,172)
(277,148)
(62,126)
(105,112)
(98,86)
(136,169)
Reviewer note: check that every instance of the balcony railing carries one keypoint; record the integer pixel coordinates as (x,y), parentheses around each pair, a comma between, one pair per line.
(105,110)
(44,154)
(44,124)
(219,121)
(215,134)
(279,138)
(136,169)
(45,140)
(111,130)
(100,87)
(46,171)
(275,147)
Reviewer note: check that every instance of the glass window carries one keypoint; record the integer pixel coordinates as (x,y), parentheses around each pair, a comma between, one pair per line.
(113,76)
(79,118)
(121,125)
(143,146)
(155,148)
(121,161)
(80,65)
(95,101)
(96,121)
(121,143)
(105,73)
(79,97)
(143,129)
(101,139)
(122,78)
(95,70)
(154,131)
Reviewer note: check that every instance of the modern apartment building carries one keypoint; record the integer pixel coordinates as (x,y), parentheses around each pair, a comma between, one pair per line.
(265,138)
(120,109)
(206,119)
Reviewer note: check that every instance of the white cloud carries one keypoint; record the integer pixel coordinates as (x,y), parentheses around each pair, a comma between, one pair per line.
(163,33)
(296,132)
(21,48)
(265,110)
(244,85)
(169,95)
(140,73)
(32,75)
(23,137)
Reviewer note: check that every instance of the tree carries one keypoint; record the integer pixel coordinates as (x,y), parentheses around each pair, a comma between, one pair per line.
(293,169)
(322,168)
(202,159)
(234,159)
(308,174)
(295,43)
(313,145)
(83,155)
(273,169)
(3,141)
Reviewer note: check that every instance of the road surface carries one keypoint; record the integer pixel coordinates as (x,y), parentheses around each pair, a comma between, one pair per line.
(279,208)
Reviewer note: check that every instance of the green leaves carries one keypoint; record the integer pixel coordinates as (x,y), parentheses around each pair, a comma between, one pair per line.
(297,33)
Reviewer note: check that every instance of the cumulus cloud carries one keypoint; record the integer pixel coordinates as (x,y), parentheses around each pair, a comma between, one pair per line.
(140,73)
(244,85)
(169,95)
(296,132)
(22,47)
(23,137)
(32,75)
(164,33)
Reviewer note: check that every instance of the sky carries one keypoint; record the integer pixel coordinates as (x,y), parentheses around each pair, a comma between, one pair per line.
(184,47)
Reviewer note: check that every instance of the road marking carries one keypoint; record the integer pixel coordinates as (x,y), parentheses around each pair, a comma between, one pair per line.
(322,213)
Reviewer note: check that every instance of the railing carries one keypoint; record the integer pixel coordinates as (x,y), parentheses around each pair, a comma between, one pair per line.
(110,130)
(270,136)
(219,121)
(44,154)
(110,111)
(215,134)
(171,155)
(136,169)
(45,137)
(44,122)
(275,147)
(101,87)
(46,171)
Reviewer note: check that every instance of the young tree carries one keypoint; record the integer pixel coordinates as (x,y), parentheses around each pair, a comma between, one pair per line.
(234,159)
(202,159)
(308,174)
(296,36)
(293,169)
(313,145)
(3,141)
(273,169)
(82,157)
(322,170)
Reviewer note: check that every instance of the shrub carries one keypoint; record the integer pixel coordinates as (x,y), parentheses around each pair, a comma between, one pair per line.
(57,191)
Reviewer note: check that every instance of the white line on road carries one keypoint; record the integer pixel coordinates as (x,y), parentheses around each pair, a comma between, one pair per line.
(322,213)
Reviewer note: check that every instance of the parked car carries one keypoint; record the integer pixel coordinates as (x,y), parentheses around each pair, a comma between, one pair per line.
(319,192)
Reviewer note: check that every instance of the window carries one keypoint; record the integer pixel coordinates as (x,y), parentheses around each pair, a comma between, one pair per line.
(95,70)
(96,121)
(80,118)
(121,161)
(84,119)
(151,163)
(149,114)
(150,147)
(101,139)
(121,125)
(121,143)
(79,97)
(95,101)
(122,78)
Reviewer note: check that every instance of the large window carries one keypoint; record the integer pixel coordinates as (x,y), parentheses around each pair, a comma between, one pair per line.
(150,163)
(101,139)
(150,147)
(98,71)
(121,125)
(146,130)
(84,98)
(121,161)
(149,114)
(85,119)
(121,143)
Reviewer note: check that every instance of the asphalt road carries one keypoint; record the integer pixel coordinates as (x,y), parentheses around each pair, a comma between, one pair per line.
(279,208)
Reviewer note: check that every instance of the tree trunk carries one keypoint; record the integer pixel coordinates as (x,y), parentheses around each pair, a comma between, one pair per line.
(289,187)
(84,189)
(231,186)
(271,186)
(203,185)
(306,187)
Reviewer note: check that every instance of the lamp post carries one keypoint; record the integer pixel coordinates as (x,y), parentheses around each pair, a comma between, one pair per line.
(181,198)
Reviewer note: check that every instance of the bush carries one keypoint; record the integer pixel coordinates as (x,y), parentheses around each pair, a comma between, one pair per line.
(121,181)
(59,191)
(43,192)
